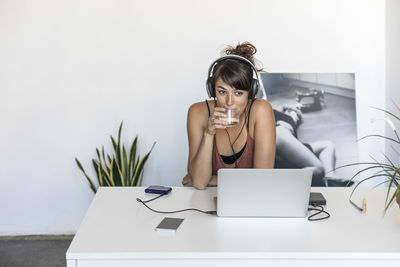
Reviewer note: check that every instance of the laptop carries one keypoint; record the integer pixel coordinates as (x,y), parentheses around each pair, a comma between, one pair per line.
(263,192)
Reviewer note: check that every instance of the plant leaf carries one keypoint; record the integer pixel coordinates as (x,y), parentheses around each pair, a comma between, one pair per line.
(140,179)
(92,185)
(353,164)
(124,167)
(364,180)
(363,170)
(121,176)
(132,158)
(98,154)
(398,108)
(118,168)
(114,143)
(388,159)
(135,172)
(388,112)
(392,179)
(141,165)
(392,168)
(97,168)
(394,196)
(119,144)
(102,153)
(111,176)
(388,171)
(381,136)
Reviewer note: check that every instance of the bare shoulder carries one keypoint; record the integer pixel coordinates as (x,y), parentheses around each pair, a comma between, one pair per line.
(199,111)
(196,107)
(261,115)
(261,108)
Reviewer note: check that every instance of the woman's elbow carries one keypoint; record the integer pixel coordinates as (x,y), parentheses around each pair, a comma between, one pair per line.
(199,184)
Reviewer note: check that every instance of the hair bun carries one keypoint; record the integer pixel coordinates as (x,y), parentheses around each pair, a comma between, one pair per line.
(246,50)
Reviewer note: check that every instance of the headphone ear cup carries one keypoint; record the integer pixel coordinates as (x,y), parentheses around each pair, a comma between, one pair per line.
(254,89)
(210,89)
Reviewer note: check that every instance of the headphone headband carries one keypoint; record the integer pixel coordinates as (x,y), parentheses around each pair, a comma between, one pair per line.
(254,83)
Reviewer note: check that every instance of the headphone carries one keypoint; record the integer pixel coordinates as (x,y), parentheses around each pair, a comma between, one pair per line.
(255,83)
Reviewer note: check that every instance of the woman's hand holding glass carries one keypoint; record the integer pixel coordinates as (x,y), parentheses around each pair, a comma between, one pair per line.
(217,120)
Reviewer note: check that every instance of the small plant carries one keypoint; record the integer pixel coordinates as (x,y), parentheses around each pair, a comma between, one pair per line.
(389,170)
(122,168)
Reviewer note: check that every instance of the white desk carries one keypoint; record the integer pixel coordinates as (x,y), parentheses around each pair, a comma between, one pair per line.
(119,231)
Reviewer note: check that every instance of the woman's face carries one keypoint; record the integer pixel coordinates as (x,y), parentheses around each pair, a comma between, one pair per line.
(229,97)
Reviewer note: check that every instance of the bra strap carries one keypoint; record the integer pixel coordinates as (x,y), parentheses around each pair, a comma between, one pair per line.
(208,107)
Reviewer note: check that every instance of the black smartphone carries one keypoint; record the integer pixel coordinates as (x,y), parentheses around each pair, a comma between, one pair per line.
(169,225)
(158,189)
(317,198)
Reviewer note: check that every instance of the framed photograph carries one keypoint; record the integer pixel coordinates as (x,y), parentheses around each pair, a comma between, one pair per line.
(315,116)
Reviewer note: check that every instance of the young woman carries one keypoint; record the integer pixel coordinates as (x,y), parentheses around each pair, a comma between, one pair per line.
(233,83)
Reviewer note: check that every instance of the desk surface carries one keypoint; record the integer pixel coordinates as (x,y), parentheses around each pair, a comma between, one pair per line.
(117,226)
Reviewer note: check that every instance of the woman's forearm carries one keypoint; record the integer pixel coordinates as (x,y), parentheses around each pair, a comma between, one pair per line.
(188,180)
(200,167)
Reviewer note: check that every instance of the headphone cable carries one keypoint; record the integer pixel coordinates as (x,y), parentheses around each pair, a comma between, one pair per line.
(229,138)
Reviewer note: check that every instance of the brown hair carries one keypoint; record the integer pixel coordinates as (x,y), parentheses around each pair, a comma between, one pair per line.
(246,50)
(236,73)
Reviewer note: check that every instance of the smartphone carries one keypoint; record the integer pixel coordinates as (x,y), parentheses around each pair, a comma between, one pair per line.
(169,225)
(158,189)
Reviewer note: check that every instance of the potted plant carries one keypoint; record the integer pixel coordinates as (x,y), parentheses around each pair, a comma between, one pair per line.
(389,171)
(122,168)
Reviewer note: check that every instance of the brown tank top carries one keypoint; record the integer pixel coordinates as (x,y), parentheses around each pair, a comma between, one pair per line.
(244,161)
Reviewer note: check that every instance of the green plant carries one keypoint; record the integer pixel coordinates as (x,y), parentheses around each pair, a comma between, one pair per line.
(389,171)
(122,168)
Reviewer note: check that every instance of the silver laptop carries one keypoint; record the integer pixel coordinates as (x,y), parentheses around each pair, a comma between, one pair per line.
(263,192)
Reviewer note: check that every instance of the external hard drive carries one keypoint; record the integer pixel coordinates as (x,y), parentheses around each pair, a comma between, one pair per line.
(317,199)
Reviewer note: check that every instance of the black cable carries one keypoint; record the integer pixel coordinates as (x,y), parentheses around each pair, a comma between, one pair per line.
(169,212)
(233,151)
(153,198)
(213,212)
(319,211)
(355,205)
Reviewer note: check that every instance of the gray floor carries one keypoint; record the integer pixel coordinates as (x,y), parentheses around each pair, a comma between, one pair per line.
(32,251)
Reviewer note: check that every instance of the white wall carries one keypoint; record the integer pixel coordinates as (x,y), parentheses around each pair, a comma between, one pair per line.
(70,71)
(392,71)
